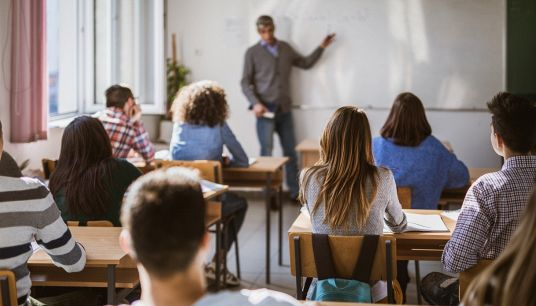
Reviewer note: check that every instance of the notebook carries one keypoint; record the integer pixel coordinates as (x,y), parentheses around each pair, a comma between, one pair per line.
(422,223)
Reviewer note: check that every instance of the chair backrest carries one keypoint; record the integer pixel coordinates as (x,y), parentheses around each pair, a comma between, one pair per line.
(345,251)
(49,165)
(467,276)
(210,170)
(404,197)
(8,289)
(95,223)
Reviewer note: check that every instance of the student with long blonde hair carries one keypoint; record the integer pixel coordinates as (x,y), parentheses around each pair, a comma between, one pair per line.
(345,192)
(512,276)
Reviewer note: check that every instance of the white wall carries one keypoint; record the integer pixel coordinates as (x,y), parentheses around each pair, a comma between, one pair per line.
(213,53)
(213,36)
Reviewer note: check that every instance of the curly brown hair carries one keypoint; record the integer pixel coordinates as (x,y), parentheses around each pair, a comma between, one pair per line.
(201,103)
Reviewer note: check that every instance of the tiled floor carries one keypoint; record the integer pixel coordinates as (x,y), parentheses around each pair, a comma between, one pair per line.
(252,252)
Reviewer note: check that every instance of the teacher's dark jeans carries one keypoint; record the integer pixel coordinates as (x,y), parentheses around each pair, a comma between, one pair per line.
(283,125)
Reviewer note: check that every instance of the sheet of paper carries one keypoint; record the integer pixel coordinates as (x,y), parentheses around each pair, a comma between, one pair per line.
(421,223)
(35,247)
(252,160)
(425,223)
(207,186)
(451,214)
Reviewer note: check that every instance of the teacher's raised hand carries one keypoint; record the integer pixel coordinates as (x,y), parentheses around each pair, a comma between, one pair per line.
(327,40)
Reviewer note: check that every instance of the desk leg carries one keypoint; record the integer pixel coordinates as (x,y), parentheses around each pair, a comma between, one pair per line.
(111,284)
(268,200)
(280,199)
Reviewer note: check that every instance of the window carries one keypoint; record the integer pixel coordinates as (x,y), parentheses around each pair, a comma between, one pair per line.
(94,44)
(62,53)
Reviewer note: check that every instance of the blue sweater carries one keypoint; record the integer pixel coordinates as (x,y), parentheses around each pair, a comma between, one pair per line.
(427,169)
(191,142)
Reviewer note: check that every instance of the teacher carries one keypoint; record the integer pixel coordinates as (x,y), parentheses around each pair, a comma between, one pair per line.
(266,83)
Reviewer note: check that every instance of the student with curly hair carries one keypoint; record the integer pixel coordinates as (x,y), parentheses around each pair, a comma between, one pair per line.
(200,132)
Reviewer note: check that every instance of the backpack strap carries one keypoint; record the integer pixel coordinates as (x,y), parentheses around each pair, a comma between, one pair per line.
(363,267)
(322,254)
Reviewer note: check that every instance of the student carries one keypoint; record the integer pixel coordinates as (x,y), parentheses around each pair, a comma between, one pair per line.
(495,202)
(28,213)
(345,193)
(122,121)
(200,132)
(418,159)
(510,279)
(89,183)
(170,242)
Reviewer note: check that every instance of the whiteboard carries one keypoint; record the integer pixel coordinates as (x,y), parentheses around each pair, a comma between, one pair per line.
(450,53)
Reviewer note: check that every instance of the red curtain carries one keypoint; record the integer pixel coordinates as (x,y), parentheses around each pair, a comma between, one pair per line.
(29,109)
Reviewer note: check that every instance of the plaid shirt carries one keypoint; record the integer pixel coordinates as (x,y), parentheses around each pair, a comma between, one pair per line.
(490,214)
(126,134)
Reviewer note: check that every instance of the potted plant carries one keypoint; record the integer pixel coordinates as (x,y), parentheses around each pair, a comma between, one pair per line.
(176,75)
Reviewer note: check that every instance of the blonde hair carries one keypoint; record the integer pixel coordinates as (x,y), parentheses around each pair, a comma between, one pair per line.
(346,165)
(510,280)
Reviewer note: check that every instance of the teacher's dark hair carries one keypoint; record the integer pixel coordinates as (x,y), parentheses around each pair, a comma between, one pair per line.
(406,124)
(265,20)
(84,168)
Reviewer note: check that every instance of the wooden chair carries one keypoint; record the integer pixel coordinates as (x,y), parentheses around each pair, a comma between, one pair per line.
(49,165)
(8,289)
(344,251)
(404,197)
(466,277)
(95,223)
(212,171)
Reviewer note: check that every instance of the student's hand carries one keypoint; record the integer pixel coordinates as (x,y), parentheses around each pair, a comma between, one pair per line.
(327,40)
(135,112)
(259,110)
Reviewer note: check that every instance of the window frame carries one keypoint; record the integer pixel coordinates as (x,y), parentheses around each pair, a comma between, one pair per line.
(85,48)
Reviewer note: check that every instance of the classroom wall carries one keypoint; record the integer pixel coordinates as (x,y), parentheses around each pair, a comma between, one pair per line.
(206,53)
(212,39)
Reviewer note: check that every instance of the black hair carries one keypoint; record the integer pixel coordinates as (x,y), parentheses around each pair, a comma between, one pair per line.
(117,96)
(514,119)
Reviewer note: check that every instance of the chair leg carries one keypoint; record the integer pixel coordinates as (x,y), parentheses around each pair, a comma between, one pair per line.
(389,268)
(418,281)
(297,265)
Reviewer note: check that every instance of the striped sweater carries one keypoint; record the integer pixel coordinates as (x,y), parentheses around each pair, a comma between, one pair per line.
(28,213)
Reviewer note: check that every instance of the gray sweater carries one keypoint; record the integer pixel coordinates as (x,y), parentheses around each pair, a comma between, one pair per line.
(384,206)
(266,79)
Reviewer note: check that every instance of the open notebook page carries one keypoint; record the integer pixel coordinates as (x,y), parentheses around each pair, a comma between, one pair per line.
(422,223)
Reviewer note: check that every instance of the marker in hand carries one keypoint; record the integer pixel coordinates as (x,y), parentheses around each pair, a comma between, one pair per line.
(327,40)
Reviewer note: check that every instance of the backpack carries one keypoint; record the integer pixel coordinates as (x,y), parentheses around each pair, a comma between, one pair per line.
(331,288)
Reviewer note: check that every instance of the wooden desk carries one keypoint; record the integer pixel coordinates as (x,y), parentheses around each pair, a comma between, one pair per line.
(409,245)
(309,152)
(266,173)
(103,256)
